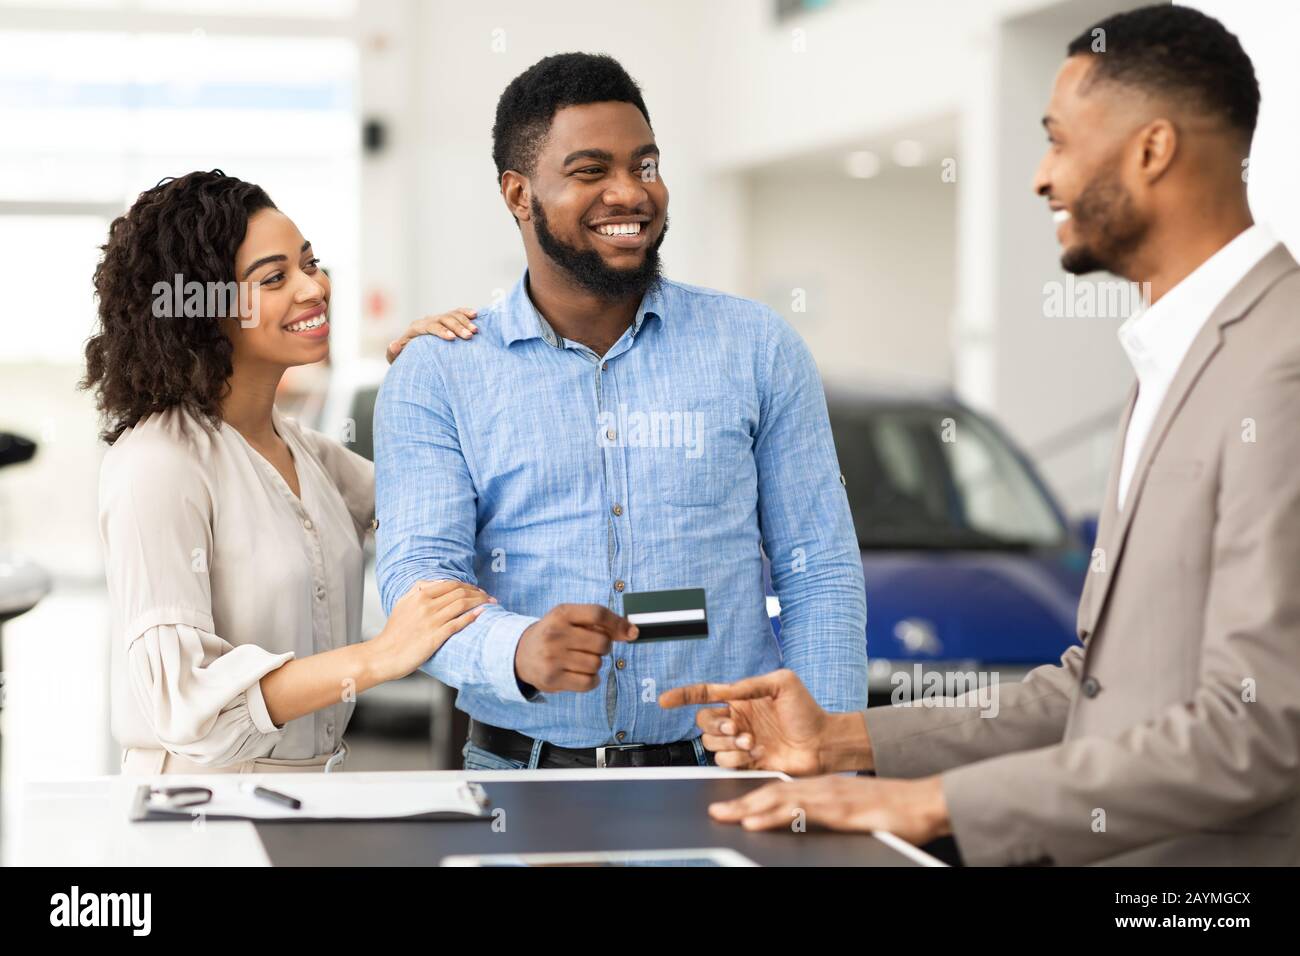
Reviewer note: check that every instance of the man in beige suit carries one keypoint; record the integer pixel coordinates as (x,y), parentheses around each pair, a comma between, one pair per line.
(1172,736)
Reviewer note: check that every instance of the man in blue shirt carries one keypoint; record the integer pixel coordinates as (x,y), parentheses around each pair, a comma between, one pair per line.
(609,431)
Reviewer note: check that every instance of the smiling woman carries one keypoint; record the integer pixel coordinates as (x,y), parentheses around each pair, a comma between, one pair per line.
(232,535)
(287,322)
(136,363)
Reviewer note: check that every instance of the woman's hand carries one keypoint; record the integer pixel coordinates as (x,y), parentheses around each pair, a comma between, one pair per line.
(421,622)
(448,325)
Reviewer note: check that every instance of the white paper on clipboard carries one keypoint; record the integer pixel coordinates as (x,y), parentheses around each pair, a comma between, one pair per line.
(323,798)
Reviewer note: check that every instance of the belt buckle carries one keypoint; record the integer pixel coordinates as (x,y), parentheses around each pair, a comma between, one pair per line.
(600,752)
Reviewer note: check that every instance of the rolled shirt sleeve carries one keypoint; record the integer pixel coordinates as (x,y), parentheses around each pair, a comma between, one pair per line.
(426,504)
(808,529)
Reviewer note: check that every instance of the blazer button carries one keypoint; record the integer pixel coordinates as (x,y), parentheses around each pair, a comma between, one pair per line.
(1091,687)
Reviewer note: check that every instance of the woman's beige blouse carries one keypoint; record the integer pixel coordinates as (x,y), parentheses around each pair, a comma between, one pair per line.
(218,574)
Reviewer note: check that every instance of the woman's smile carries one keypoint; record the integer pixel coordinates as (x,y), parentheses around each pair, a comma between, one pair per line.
(312,324)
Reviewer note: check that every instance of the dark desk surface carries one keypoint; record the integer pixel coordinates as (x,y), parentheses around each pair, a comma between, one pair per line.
(565,816)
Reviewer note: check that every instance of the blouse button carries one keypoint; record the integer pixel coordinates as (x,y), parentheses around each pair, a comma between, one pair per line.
(307,523)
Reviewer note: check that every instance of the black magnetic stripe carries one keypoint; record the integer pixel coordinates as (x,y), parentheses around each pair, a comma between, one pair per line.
(655,632)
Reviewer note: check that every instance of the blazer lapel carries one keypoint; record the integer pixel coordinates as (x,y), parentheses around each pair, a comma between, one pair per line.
(1235,305)
(1105,523)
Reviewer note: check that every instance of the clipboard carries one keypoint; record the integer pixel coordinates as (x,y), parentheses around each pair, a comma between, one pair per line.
(321,800)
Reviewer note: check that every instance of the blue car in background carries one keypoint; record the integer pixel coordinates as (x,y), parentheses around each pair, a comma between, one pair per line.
(970,563)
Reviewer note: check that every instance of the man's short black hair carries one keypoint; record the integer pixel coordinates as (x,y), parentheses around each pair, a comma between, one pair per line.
(525,109)
(1176,52)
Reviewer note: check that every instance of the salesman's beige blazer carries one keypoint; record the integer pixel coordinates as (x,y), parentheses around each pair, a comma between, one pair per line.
(1172,736)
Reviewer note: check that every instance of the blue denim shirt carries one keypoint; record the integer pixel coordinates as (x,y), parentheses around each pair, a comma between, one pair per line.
(546,474)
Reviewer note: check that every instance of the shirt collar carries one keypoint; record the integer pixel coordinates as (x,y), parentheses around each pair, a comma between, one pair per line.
(1157,337)
(520,319)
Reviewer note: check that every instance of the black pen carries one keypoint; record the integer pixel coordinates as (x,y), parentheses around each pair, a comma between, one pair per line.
(293,803)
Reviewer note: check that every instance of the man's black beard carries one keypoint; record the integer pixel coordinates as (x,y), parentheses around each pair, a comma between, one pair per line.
(1107,206)
(588,269)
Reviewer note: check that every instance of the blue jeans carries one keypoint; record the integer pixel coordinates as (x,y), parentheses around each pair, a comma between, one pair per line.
(476,758)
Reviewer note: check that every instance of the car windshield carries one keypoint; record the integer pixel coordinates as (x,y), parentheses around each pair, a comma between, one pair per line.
(935,477)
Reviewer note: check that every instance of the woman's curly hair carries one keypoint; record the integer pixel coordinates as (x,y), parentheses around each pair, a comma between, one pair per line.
(138,363)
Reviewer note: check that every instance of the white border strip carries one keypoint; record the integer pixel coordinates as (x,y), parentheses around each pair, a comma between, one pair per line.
(902,846)
(667,617)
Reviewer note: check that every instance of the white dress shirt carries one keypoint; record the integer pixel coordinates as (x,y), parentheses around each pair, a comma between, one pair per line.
(217,574)
(1157,338)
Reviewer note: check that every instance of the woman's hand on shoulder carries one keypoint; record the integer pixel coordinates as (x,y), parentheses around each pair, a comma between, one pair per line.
(458,323)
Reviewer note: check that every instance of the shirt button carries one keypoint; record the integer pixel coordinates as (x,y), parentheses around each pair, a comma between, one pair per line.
(618,585)
(604,366)
(620,663)
(621,736)
(1091,687)
(609,433)
(617,509)
(307,523)
(374,524)
(320,593)
(329,729)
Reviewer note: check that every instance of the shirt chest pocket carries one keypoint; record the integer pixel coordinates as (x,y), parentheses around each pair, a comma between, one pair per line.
(702,452)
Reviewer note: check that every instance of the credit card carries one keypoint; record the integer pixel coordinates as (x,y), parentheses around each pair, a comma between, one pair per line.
(677,615)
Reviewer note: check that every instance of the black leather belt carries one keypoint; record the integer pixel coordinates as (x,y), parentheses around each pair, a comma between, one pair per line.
(513,745)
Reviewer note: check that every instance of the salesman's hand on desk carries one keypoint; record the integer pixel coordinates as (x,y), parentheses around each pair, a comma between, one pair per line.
(912,809)
(563,650)
(771,722)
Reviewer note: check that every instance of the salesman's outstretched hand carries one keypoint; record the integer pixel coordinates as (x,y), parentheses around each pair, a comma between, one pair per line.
(771,722)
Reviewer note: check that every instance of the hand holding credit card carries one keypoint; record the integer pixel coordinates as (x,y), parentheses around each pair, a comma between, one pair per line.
(676,615)
(564,649)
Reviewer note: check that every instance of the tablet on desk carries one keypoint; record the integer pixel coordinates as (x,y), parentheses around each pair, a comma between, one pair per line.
(712,856)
